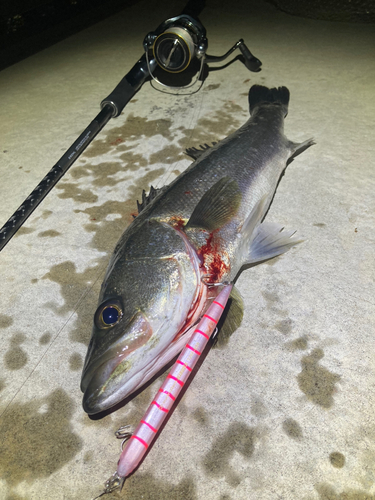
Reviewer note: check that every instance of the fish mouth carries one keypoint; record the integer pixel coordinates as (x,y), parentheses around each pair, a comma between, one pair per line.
(99,394)
(103,376)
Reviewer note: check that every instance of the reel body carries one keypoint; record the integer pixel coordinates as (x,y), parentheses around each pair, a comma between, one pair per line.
(178,47)
(176,53)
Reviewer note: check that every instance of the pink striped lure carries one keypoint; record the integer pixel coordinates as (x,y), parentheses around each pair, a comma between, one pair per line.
(156,413)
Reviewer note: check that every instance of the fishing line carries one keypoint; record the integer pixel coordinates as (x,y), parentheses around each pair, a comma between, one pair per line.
(163,181)
(55,338)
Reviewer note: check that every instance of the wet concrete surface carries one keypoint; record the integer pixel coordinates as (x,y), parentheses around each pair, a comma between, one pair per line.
(284,410)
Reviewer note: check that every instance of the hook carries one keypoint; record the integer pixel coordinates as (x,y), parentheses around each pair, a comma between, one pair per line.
(112,484)
(211,283)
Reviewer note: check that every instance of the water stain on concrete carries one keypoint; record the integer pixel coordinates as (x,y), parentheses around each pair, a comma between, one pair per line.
(51,233)
(212,86)
(45,214)
(74,192)
(75,362)
(299,344)
(14,496)
(238,438)
(201,416)
(146,487)
(102,174)
(80,293)
(133,161)
(2,384)
(315,381)
(271,297)
(273,302)
(292,429)
(337,459)
(327,492)
(24,230)
(45,338)
(43,442)
(73,284)
(134,128)
(107,232)
(258,408)
(284,326)
(5,321)
(320,224)
(88,456)
(108,221)
(214,126)
(16,358)
(168,155)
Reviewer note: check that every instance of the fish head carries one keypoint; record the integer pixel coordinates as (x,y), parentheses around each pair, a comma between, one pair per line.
(151,284)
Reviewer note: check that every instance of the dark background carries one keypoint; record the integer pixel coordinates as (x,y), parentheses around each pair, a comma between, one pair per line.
(28,26)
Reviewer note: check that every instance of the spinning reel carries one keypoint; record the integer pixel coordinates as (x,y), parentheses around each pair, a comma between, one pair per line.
(177,50)
(175,58)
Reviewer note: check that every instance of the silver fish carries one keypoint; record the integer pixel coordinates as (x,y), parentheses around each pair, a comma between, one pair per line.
(198,232)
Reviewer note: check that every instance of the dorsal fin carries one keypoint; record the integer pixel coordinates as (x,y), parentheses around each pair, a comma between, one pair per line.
(196,153)
(217,206)
(147,199)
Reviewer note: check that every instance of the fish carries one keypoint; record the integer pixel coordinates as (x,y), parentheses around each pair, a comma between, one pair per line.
(189,240)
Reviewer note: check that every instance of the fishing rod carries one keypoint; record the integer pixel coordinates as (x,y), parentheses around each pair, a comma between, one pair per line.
(174,54)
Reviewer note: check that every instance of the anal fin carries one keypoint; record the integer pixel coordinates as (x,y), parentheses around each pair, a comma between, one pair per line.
(298,148)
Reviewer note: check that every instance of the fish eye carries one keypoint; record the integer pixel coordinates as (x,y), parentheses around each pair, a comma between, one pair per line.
(108,314)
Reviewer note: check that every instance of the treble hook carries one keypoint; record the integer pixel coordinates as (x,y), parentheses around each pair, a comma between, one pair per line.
(125,436)
(116,482)
(112,484)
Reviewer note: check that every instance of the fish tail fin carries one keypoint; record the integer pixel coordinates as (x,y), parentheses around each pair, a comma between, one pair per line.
(259,95)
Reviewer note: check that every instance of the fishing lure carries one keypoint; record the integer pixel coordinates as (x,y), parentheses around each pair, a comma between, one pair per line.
(156,413)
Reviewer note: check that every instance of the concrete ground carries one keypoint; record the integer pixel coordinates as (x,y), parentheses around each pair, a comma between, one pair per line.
(286,409)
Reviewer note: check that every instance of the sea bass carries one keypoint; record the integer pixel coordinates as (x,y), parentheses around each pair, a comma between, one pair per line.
(188,239)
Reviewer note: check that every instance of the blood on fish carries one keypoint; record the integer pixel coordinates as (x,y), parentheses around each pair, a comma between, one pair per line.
(211,259)
(177,222)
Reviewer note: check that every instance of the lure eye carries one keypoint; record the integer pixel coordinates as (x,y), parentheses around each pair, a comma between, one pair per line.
(108,314)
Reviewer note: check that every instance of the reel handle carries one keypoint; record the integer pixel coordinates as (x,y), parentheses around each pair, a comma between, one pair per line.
(251,62)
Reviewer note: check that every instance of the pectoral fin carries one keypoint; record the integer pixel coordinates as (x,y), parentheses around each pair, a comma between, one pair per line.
(263,241)
(270,240)
(217,206)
